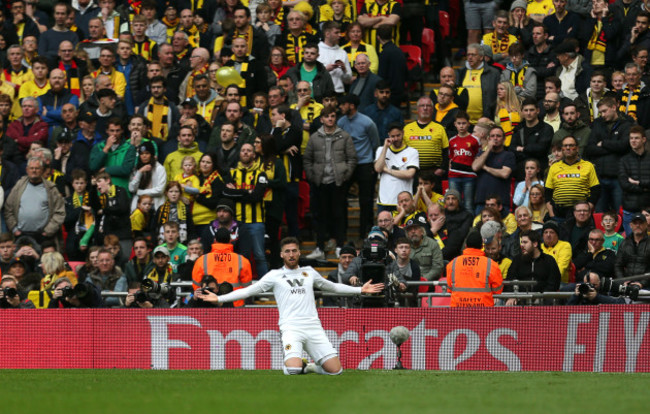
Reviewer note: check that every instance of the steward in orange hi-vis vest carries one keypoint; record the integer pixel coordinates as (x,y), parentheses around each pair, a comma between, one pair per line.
(226,266)
(473,278)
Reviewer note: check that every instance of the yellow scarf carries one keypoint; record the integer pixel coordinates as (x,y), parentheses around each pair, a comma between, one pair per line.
(189,91)
(631,108)
(598,41)
(248,35)
(158,115)
(153,275)
(509,121)
(103,198)
(206,188)
(517,76)
(500,46)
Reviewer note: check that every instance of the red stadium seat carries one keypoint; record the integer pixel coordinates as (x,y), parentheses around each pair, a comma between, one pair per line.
(414,65)
(428,47)
(445,28)
(437,301)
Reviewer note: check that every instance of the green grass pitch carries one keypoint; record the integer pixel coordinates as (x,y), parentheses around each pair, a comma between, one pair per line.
(124,391)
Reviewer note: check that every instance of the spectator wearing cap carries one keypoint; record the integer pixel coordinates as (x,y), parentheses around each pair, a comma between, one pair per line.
(83,142)
(225,219)
(559,249)
(149,176)
(61,152)
(346,256)
(424,250)
(396,163)
(456,225)
(481,81)
(113,107)
(224,264)
(115,156)
(574,71)
(108,277)
(189,110)
(162,113)
(534,264)
(366,140)
(472,277)
(633,256)
(162,270)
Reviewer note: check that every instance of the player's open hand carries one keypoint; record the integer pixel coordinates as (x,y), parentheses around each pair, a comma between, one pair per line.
(206,296)
(372,288)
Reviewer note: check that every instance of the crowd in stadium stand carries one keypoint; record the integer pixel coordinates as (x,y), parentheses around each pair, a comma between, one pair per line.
(132,133)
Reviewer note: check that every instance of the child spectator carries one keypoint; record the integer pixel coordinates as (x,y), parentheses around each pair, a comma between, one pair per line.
(264,23)
(177,251)
(79,218)
(612,239)
(425,195)
(111,202)
(188,179)
(174,210)
(463,149)
(142,218)
(518,72)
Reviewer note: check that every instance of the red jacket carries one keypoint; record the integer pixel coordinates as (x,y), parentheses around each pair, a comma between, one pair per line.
(38,132)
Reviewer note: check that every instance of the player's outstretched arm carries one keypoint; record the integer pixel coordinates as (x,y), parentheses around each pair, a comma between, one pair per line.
(372,288)
(206,296)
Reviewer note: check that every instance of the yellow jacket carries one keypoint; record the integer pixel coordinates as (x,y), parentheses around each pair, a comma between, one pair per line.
(117,80)
(561,252)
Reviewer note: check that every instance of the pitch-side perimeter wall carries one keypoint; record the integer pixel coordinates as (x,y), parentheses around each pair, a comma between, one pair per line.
(590,338)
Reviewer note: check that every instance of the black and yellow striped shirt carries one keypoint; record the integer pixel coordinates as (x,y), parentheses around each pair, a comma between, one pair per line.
(249,204)
(571,183)
(373,9)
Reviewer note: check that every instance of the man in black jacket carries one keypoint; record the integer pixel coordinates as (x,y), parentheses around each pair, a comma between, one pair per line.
(633,256)
(454,225)
(634,177)
(608,142)
(392,64)
(531,139)
(576,229)
(541,58)
(322,84)
(534,264)
(595,258)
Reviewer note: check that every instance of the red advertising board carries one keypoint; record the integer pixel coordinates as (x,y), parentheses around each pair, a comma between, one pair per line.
(590,338)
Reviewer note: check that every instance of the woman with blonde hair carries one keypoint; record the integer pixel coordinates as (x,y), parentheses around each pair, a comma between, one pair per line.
(508,110)
(537,203)
(53,266)
(87,88)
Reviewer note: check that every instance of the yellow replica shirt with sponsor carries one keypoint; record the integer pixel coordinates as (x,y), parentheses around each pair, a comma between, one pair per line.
(430,140)
(571,183)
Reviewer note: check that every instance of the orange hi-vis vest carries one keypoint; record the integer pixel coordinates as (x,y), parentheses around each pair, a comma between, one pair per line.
(226,266)
(473,278)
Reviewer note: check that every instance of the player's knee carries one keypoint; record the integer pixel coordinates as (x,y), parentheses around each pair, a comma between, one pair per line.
(292,370)
(339,372)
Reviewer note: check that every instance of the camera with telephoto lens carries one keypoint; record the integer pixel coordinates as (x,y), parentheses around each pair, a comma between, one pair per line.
(10,292)
(612,287)
(80,290)
(151,286)
(584,288)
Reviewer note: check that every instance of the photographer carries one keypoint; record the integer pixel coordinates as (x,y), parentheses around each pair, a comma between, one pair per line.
(11,297)
(208,283)
(405,269)
(137,298)
(83,295)
(588,293)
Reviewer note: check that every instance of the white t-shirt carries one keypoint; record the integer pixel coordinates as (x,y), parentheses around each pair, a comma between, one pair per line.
(294,293)
(389,186)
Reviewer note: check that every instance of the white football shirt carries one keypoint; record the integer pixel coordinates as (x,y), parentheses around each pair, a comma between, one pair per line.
(294,294)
